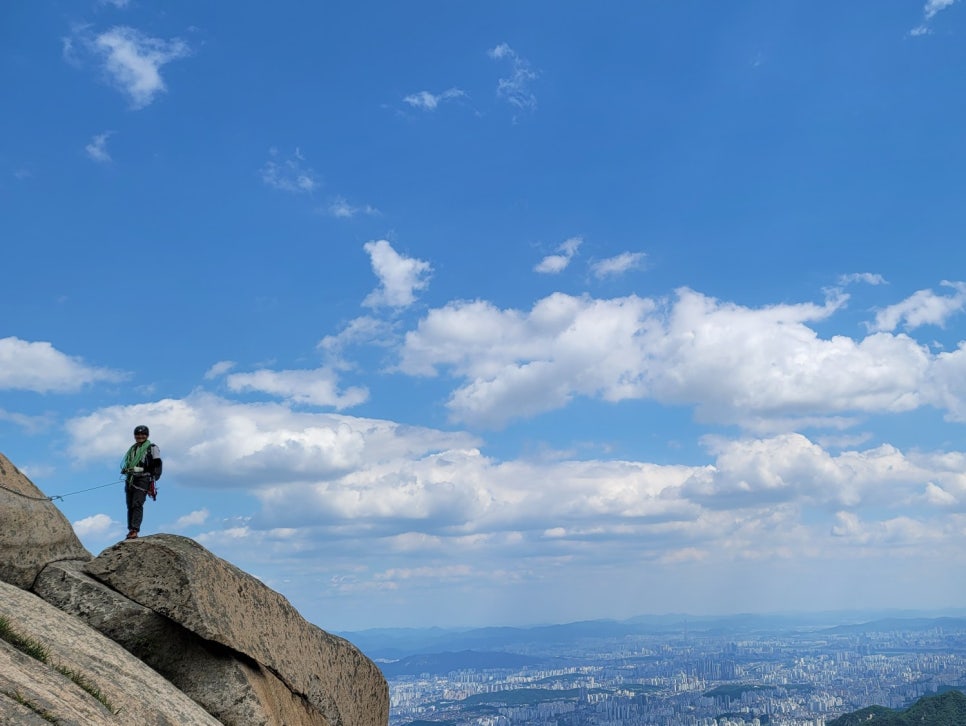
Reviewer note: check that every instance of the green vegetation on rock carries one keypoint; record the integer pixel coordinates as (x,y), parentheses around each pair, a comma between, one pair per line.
(37,650)
(944,709)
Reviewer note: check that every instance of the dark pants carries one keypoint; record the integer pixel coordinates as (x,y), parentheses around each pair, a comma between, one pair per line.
(135,492)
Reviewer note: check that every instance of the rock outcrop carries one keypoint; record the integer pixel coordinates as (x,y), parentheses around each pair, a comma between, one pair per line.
(33,531)
(176,577)
(161,615)
(120,688)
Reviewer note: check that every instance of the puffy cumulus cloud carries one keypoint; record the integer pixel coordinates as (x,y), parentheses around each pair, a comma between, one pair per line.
(556,263)
(39,367)
(923,307)
(945,387)
(460,492)
(523,363)
(97,525)
(400,277)
(747,365)
(133,61)
(372,495)
(318,387)
(222,443)
(192,519)
(460,509)
(790,468)
(938,496)
(754,366)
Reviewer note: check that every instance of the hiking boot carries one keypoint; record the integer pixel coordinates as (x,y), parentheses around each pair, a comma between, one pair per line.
(132,534)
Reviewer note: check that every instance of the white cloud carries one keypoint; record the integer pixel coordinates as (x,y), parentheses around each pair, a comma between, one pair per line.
(97,148)
(618,264)
(340,208)
(372,495)
(221,443)
(399,277)
(515,89)
(934,6)
(923,307)
(869,278)
(30,424)
(219,369)
(929,11)
(133,61)
(424,490)
(192,519)
(39,367)
(556,263)
(364,330)
(938,496)
(891,533)
(755,367)
(289,175)
(427,101)
(96,525)
(318,387)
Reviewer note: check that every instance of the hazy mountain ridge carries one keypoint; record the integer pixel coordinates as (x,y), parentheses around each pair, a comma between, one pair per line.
(397,643)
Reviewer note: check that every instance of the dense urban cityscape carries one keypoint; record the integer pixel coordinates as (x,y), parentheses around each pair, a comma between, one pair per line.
(704,675)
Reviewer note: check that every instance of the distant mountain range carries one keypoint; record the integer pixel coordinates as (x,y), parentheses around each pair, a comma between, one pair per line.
(390,644)
(908,625)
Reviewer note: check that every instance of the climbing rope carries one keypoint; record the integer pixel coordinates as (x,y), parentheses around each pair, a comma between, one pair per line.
(61,496)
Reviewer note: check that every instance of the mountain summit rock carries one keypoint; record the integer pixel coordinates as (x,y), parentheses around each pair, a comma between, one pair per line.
(158,630)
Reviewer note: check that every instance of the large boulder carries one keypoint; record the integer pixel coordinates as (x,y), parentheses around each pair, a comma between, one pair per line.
(85,680)
(33,532)
(179,579)
(230,686)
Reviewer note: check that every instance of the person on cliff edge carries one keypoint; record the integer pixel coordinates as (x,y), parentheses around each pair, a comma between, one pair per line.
(141,467)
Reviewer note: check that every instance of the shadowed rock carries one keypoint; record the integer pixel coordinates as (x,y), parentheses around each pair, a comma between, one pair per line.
(33,532)
(179,579)
(135,694)
(230,686)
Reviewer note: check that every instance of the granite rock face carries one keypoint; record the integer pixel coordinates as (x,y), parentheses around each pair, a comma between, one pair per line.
(33,532)
(163,632)
(179,579)
(229,685)
(133,692)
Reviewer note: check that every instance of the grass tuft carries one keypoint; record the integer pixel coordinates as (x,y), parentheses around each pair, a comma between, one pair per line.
(36,649)
(31,647)
(18,697)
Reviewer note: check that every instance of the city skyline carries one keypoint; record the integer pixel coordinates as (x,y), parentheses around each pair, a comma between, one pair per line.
(503,315)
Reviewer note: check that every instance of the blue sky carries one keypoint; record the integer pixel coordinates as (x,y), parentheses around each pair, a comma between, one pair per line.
(499,313)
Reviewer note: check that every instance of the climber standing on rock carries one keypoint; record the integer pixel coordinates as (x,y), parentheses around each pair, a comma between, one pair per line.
(141,467)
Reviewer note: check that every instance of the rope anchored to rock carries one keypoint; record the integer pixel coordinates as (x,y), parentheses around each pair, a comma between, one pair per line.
(60,496)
